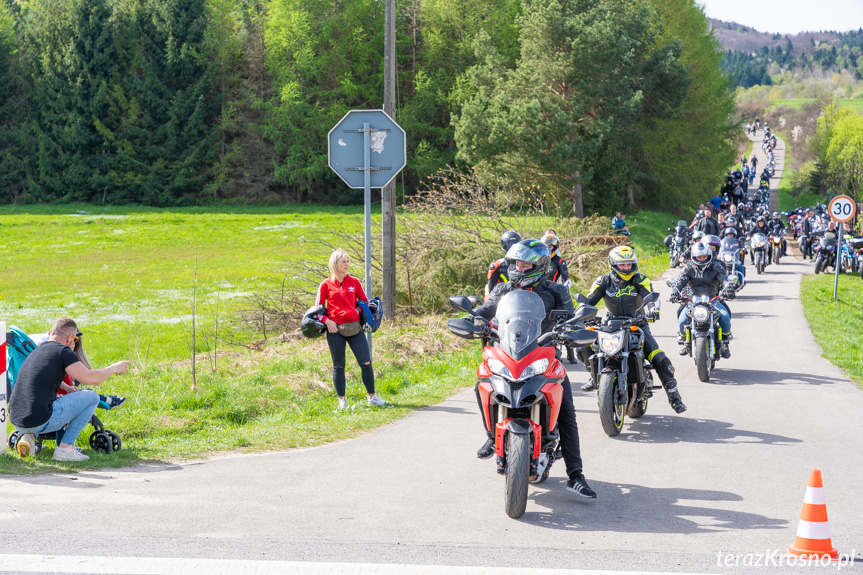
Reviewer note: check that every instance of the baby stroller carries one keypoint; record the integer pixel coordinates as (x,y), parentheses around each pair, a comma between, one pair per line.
(18,346)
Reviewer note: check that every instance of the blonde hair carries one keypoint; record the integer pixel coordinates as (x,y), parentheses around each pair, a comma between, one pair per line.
(82,355)
(335,258)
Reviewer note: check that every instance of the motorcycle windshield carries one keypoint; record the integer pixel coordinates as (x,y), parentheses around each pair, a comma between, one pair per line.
(829,239)
(519,315)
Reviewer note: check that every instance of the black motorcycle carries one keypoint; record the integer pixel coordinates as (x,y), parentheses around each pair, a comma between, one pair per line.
(759,246)
(703,331)
(676,242)
(825,252)
(729,256)
(624,378)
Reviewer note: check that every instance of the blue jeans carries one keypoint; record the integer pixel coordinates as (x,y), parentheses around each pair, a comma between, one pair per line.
(74,409)
(724,320)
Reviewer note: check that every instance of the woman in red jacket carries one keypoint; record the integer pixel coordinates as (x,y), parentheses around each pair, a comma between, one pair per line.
(339,294)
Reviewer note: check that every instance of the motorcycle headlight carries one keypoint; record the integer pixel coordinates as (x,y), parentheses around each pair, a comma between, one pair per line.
(727,258)
(536,368)
(497,367)
(610,343)
(700,314)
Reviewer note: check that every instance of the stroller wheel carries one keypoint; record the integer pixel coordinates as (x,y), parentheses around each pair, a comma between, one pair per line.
(116,442)
(99,441)
(13,439)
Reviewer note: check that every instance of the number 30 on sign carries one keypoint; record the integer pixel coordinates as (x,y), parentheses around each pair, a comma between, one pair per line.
(842,208)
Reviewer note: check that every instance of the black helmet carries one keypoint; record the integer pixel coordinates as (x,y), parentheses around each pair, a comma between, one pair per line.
(713,241)
(729,232)
(535,253)
(699,251)
(760,220)
(313,324)
(509,239)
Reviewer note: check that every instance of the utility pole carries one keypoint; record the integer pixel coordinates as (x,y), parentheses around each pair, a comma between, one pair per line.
(388,192)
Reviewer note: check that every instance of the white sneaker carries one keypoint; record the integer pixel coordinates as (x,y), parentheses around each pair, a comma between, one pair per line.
(343,403)
(69,454)
(377,401)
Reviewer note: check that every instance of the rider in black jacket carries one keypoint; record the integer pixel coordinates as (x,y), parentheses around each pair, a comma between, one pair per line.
(527,270)
(703,276)
(623,289)
(708,224)
(806,234)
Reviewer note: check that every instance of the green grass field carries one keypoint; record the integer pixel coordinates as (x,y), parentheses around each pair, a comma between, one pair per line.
(126,274)
(836,324)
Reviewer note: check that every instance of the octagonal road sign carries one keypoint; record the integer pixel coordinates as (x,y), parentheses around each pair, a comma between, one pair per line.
(346,151)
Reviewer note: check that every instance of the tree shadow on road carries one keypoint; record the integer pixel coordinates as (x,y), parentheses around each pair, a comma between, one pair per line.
(758,377)
(639,509)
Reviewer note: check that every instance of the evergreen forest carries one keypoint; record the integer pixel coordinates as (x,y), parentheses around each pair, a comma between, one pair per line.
(600,104)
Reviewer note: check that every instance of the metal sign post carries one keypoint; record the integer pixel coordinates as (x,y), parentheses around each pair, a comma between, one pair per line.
(841,209)
(5,392)
(345,151)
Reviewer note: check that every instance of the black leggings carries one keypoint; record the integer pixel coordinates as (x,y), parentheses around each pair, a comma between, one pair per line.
(360,347)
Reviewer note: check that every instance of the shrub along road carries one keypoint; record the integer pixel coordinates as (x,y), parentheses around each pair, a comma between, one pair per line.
(674,490)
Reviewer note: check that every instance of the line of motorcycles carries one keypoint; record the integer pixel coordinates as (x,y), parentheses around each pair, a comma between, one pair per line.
(520,378)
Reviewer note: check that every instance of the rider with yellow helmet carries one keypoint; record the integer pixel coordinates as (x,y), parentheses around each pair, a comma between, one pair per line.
(623,289)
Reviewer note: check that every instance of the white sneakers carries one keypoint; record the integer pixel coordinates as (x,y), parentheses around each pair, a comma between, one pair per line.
(377,401)
(70,453)
(374,401)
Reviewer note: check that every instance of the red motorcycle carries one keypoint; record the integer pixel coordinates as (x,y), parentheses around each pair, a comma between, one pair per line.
(520,384)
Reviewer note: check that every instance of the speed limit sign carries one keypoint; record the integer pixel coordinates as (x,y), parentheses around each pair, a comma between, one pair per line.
(842,208)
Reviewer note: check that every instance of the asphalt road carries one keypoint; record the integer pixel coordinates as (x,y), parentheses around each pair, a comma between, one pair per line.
(677,493)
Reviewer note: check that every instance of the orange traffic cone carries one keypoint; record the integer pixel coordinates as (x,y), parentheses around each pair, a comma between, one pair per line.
(813,533)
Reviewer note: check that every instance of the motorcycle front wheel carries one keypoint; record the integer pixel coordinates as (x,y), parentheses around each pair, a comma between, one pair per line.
(819,264)
(759,263)
(518,454)
(701,352)
(610,407)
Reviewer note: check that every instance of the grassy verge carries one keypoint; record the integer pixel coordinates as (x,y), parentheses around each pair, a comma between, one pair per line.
(127,276)
(649,229)
(275,398)
(836,324)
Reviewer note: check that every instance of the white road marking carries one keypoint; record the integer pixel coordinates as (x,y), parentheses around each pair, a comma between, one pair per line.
(166,566)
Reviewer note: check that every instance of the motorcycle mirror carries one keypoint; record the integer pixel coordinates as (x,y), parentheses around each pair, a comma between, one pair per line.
(669,283)
(650,298)
(463,328)
(473,299)
(460,303)
(580,298)
(557,314)
(581,337)
(583,313)
(733,279)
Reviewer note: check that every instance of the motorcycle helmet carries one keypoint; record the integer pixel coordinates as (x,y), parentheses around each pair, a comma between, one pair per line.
(702,255)
(533,252)
(370,314)
(313,325)
(775,215)
(552,241)
(729,232)
(697,236)
(509,239)
(760,220)
(623,255)
(713,241)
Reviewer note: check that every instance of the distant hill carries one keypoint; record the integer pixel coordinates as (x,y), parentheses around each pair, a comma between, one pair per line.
(754,57)
(734,36)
